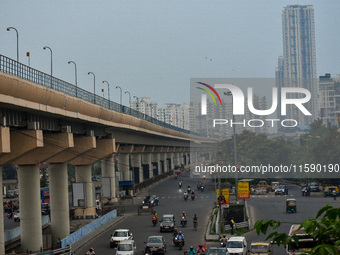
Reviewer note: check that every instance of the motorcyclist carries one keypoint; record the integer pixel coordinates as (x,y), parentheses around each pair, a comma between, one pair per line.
(185,195)
(180,184)
(192,193)
(200,249)
(191,251)
(180,236)
(334,194)
(154,214)
(90,252)
(224,239)
(183,215)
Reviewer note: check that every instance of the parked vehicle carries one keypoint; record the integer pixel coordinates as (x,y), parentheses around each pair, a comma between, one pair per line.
(167,223)
(155,244)
(291,205)
(261,248)
(120,235)
(328,191)
(281,190)
(126,247)
(237,245)
(260,191)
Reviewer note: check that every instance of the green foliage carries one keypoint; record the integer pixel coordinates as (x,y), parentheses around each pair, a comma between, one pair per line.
(325,230)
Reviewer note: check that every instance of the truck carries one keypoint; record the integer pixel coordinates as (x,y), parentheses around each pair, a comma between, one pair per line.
(264,184)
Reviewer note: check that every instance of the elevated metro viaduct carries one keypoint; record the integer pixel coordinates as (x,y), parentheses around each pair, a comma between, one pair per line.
(40,124)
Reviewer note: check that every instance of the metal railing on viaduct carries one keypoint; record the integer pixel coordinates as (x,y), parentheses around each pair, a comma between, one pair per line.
(10,66)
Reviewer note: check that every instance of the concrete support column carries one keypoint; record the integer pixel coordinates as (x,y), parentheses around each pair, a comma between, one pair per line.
(182,158)
(2,229)
(193,157)
(108,171)
(83,174)
(157,159)
(172,163)
(124,166)
(163,157)
(59,202)
(136,163)
(146,160)
(30,207)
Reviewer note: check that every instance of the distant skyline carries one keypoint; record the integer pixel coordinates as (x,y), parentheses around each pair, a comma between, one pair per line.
(152,48)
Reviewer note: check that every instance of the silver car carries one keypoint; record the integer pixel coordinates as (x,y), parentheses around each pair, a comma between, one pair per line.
(126,247)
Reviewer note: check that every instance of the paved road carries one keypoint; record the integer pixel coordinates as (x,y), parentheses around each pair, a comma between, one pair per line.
(273,207)
(10,223)
(171,201)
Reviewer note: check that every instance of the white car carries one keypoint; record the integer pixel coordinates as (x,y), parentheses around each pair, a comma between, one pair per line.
(126,247)
(237,245)
(120,235)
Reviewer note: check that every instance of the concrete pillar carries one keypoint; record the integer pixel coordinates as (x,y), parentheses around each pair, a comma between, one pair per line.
(83,174)
(163,157)
(146,160)
(30,207)
(193,157)
(59,202)
(108,171)
(182,158)
(2,229)
(157,159)
(136,162)
(124,166)
(172,163)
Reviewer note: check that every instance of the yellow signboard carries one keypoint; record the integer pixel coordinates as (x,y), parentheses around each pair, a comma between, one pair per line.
(224,198)
(243,190)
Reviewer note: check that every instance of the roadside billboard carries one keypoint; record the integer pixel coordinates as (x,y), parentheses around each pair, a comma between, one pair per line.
(224,198)
(243,190)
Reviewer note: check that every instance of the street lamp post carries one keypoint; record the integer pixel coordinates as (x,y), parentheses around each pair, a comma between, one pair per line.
(46,47)
(108,91)
(75,74)
(9,29)
(137,98)
(127,92)
(94,86)
(235,153)
(118,87)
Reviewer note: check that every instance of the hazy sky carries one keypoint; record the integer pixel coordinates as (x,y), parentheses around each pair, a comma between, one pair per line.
(153,47)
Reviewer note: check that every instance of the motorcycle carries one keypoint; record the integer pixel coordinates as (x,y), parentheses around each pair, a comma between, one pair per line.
(186,197)
(10,215)
(223,244)
(154,221)
(183,222)
(189,190)
(202,188)
(180,185)
(192,197)
(180,243)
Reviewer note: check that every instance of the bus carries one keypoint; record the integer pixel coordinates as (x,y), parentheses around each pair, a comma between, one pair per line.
(305,244)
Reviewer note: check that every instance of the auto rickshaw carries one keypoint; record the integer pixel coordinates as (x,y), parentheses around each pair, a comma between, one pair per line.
(328,191)
(291,205)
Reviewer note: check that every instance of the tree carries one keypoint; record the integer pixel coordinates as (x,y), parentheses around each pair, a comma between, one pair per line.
(326,231)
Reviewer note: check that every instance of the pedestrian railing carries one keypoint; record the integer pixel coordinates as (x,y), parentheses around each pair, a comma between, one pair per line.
(243,224)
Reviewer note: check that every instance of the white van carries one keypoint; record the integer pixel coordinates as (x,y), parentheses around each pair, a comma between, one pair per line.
(237,245)
(126,247)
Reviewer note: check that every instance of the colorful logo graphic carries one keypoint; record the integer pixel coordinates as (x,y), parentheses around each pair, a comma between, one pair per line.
(208,92)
